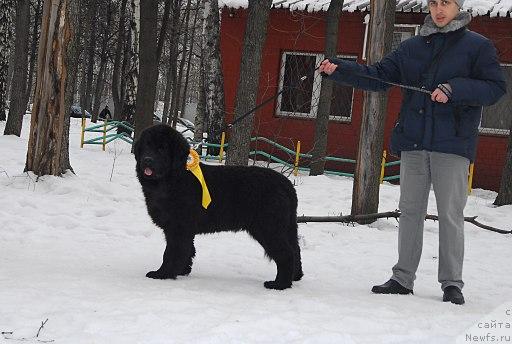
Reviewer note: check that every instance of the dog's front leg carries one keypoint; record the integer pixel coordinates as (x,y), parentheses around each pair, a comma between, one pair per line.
(177,256)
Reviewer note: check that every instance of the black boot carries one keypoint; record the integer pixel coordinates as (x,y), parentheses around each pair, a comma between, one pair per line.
(391,287)
(454,295)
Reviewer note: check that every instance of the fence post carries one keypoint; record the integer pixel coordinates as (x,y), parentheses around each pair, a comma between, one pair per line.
(222,139)
(470,178)
(382,167)
(82,133)
(104,133)
(297,156)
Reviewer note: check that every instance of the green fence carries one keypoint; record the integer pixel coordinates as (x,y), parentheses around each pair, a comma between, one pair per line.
(273,158)
(107,135)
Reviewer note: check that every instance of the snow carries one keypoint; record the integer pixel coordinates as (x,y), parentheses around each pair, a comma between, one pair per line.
(501,8)
(75,250)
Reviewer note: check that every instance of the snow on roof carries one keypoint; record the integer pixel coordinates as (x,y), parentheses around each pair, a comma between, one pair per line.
(495,8)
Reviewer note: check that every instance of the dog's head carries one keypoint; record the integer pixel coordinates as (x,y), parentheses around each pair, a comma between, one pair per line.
(160,151)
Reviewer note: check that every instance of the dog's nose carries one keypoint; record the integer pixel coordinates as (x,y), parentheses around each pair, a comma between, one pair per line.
(147,161)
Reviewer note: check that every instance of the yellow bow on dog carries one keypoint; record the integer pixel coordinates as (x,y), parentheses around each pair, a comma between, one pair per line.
(193,166)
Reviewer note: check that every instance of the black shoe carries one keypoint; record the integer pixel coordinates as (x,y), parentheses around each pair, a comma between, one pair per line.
(391,287)
(454,295)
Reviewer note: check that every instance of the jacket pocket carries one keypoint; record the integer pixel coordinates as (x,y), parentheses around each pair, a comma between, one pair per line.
(467,121)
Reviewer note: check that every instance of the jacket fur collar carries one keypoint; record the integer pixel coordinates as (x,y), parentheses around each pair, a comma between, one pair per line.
(460,21)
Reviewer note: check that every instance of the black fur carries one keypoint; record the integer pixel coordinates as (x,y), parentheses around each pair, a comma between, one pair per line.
(257,200)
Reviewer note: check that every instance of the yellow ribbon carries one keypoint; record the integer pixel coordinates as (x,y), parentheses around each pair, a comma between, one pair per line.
(193,166)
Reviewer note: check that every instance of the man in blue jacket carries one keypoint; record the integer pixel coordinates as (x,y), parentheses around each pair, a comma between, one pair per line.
(435,134)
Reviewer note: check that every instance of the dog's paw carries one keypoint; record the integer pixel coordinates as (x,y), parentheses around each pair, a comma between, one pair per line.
(298,276)
(276,285)
(158,274)
(186,271)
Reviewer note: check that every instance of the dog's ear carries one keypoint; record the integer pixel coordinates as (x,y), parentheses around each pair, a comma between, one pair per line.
(136,149)
(181,150)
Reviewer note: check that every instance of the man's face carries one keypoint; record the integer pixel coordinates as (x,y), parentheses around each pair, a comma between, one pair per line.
(443,11)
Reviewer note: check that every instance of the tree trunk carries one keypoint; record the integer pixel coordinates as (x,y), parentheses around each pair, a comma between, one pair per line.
(365,194)
(72,59)
(254,39)
(201,114)
(505,193)
(324,103)
(148,72)
(117,69)
(100,79)
(189,64)
(176,98)
(200,119)
(132,63)
(6,16)
(91,48)
(19,82)
(173,59)
(163,30)
(33,49)
(44,155)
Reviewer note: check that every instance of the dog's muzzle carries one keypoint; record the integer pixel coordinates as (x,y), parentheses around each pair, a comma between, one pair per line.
(147,163)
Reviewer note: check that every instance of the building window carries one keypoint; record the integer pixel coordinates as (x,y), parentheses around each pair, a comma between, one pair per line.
(301,85)
(497,118)
(401,33)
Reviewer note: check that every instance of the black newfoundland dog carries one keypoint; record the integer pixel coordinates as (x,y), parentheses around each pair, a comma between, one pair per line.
(257,200)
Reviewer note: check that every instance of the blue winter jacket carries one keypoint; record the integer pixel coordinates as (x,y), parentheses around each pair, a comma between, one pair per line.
(468,63)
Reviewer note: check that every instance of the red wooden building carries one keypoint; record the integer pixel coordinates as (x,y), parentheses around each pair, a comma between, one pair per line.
(294,47)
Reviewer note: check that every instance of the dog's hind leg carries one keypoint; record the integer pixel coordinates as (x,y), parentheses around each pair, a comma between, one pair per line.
(188,264)
(279,250)
(294,243)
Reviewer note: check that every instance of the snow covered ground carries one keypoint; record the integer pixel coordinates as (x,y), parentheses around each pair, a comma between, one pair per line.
(75,251)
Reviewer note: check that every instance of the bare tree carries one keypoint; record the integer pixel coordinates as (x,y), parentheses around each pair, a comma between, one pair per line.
(189,61)
(365,195)
(148,71)
(71,60)
(200,119)
(132,62)
(324,103)
(47,129)
(173,58)
(36,26)
(254,39)
(505,193)
(214,80)
(91,28)
(117,70)
(6,16)
(105,19)
(19,83)
(177,87)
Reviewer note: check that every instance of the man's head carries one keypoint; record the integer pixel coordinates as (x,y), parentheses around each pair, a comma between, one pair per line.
(444,11)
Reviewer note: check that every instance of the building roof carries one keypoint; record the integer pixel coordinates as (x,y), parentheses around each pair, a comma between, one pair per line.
(493,8)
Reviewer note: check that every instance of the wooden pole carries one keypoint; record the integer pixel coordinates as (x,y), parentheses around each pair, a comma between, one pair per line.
(297,157)
(222,141)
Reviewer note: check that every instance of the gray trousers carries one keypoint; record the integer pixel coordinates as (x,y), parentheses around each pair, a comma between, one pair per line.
(448,173)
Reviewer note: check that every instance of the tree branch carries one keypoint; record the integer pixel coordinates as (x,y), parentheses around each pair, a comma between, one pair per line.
(394,214)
